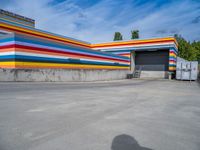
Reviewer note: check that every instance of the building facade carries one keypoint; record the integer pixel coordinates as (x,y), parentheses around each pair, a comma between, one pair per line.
(30,54)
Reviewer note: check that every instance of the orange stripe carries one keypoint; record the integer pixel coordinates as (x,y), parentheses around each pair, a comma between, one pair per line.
(7,66)
(135,42)
(131,44)
(7,50)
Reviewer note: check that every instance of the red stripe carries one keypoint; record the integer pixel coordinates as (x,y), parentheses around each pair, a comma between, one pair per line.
(7,46)
(172,61)
(56,51)
(172,52)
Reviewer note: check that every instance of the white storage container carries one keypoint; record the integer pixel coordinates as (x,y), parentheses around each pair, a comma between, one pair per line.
(186,70)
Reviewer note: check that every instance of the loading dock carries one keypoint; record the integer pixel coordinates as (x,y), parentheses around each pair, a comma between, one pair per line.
(151,62)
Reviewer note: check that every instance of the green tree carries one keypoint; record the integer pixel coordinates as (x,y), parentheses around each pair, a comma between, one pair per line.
(135,34)
(196,46)
(183,47)
(118,36)
(187,50)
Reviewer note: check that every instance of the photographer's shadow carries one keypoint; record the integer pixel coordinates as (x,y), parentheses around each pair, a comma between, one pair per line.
(126,142)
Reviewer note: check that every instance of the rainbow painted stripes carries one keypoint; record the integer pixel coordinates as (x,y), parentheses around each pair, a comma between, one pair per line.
(28,52)
(28,47)
(172,59)
(123,48)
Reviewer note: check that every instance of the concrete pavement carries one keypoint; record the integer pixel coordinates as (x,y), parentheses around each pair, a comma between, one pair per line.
(115,115)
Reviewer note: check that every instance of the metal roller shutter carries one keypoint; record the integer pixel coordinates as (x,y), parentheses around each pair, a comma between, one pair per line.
(152,60)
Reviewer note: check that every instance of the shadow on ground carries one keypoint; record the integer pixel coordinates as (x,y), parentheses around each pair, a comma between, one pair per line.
(126,142)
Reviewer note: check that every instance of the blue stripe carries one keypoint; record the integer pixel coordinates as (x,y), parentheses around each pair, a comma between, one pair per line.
(115,51)
(172,57)
(7,57)
(172,65)
(7,39)
(174,49)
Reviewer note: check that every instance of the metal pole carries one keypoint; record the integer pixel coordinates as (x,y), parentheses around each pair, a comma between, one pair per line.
(181,70)
(190,71)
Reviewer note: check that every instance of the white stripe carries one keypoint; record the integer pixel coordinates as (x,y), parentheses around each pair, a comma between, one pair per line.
(39,55)
(134,46)
(7,43)
(6,53)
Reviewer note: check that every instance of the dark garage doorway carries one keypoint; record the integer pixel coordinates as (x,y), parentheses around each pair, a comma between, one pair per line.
(152,60)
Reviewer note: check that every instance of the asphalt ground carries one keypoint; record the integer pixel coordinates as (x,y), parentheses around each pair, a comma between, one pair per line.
(114,115)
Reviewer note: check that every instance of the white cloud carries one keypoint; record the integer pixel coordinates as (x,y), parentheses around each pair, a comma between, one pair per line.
(98,22)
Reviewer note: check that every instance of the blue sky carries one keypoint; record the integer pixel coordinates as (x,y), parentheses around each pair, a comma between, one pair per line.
(97,20)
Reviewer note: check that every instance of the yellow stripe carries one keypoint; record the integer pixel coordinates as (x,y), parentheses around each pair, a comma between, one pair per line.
(174,55)
(43,34)
(7,64)
(54,65)
(172,68)
(136,41)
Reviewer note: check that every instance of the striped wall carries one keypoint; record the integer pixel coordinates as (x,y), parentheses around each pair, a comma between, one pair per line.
(123,48)
(172,59)
(34,48)
(14,20)
(9,16)
(29,52)
(6,51)
(43,35)
(137,44)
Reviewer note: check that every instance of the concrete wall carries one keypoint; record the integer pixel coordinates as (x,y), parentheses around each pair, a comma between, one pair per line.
(58,75)
(154,74)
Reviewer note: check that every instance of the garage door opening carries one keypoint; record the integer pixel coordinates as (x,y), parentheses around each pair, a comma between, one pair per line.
(152,63)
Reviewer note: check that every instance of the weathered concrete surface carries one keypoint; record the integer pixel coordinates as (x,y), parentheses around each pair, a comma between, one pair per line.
(154,74)
(129,114)
(60,75)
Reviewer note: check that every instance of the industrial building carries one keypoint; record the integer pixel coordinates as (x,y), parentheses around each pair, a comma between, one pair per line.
(30,54)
